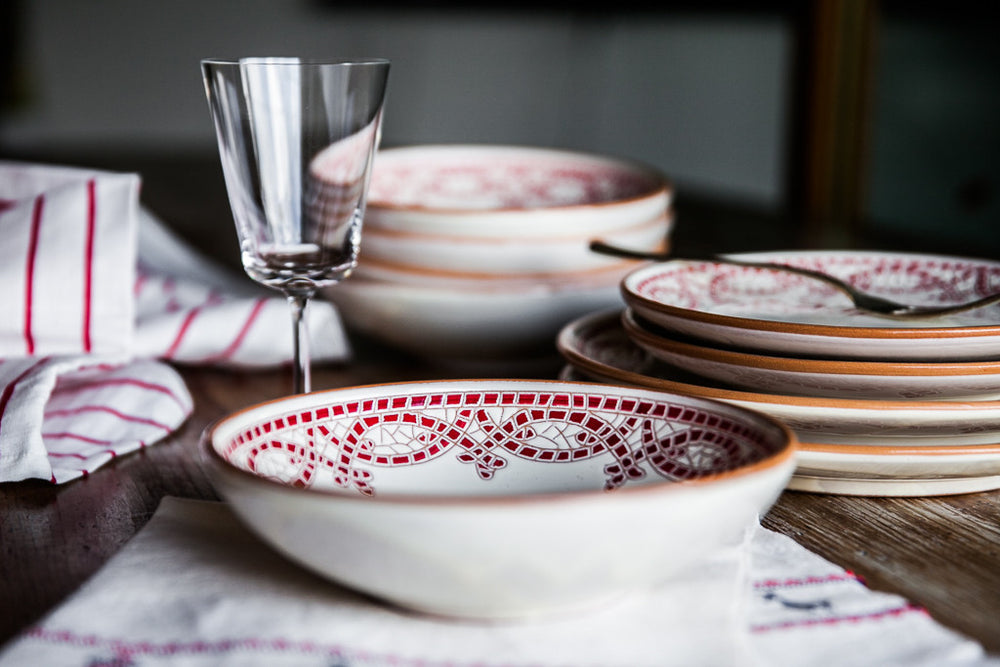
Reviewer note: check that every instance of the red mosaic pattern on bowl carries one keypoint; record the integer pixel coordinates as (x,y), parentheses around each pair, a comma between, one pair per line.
(502,182)
(632,438)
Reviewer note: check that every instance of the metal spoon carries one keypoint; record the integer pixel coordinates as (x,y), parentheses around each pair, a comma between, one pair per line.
(863,301)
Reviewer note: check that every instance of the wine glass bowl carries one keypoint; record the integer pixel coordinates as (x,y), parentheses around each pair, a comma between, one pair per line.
(297,138)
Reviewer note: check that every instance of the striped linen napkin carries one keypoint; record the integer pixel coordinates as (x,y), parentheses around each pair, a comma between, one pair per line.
(96,294)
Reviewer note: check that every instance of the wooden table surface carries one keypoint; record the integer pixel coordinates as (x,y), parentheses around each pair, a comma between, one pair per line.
(942,553)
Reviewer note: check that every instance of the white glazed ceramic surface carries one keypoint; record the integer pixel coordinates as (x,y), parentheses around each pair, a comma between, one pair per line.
(469,320)
(817,377)
(899,463)
(513,255)
(606,274)
(894,486)
(771,311)
(495,191)
(598,346)
(498,499)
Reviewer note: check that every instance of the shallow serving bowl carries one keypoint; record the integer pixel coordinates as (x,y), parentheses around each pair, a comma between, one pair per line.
(498,498)
(486,191)
(607,274)
(469,320)
(511,255)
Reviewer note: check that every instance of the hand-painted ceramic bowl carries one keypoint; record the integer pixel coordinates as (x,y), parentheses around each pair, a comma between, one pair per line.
(498,498)
(465,319)
(510,256)
(502,192)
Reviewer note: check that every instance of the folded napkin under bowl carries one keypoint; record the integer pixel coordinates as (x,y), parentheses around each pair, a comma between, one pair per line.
(498,499)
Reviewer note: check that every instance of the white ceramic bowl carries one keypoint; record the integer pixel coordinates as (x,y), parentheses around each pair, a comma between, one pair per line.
(513,255)
(469,320)
(498,499)
(474,280)
(499,192)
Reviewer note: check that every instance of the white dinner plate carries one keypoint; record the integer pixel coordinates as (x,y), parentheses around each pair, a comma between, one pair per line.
(865,470)
(847,446)
(837,378)
(772,311)
(893,486)
(597,345)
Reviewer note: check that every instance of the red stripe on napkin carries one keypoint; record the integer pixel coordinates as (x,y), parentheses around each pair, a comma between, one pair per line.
(235,345)
(173,305)
(132,382)
(172,350)
(111,411)
(29,278)
(88,264)
(69,435)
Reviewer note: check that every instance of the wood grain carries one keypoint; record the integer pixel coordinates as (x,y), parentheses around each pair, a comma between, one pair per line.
(940,553)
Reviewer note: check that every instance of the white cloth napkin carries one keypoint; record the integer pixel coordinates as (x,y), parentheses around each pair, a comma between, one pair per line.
(95,291)
(195,588)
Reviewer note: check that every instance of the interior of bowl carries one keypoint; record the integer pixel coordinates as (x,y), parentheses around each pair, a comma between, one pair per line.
(489,438)
(490,177)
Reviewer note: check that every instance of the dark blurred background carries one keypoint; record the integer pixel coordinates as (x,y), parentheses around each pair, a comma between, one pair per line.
(782,124)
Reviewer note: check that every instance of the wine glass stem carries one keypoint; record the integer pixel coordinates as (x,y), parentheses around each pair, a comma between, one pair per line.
(301,375)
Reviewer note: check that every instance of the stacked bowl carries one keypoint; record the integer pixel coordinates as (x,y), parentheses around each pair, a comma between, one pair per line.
(482,251)
(881,406)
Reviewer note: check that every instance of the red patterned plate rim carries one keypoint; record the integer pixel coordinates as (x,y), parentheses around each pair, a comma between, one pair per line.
(586,327)
(655,183)
(783,454)
(632,284)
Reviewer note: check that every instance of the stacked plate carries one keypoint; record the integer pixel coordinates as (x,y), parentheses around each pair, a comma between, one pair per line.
(882,406)
(483,250)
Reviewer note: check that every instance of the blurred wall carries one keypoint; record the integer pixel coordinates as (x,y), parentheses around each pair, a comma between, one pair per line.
(703,96)
(935,159)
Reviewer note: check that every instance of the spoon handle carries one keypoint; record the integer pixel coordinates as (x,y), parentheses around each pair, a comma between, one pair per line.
(604,248)
(863,301)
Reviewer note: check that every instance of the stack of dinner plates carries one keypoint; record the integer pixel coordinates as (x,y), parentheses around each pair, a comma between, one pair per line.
(881,406)
(483,251)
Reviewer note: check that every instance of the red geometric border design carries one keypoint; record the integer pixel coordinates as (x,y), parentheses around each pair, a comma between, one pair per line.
(350,440)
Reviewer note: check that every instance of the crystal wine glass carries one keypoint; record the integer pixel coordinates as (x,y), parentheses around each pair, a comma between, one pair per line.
(297,139)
